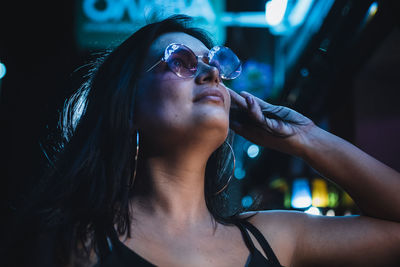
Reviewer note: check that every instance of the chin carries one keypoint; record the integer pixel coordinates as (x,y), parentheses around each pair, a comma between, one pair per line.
(214,125)
(213,113)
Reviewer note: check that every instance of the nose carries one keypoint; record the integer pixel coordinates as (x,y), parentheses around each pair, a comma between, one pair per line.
(207,74)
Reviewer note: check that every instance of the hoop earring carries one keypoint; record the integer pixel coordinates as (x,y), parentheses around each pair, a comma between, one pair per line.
(233,171)
(132,179)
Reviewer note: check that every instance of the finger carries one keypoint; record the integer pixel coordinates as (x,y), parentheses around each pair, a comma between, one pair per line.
(267,109)
(254,109)
(237,99)
(263,104)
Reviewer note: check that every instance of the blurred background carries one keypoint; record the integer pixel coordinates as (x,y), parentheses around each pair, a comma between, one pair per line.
(337,62)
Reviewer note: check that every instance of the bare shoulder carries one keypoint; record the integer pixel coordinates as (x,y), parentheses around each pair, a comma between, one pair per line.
(300,239)
(276,220)
(281,229)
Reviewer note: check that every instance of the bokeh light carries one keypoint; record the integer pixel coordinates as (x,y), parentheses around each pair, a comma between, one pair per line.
(3,70)
(313,211)
(247,201)
(253,151)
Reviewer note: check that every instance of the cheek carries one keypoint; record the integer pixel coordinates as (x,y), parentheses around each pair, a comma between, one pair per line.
(163,101)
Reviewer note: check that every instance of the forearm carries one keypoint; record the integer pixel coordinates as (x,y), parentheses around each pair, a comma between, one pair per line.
(373,185)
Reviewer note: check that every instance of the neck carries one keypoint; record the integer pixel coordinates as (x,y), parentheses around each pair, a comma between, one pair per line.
(174,186)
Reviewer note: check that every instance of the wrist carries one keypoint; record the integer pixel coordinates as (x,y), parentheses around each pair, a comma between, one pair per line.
(311,142)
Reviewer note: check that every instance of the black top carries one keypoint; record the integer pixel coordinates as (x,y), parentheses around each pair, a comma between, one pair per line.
(119,255)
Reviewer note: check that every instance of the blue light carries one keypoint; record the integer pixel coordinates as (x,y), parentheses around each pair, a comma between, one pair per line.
(299,12)
(304,72)
(301,196)
(253,151)
(275,11)
(239,173)
(3,70)
(111,10)
(247,201)
(373,8)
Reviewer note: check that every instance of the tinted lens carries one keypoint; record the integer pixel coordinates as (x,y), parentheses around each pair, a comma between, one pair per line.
(226,61)
(181,60)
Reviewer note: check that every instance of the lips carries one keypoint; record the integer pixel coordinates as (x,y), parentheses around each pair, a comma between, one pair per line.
(211,95)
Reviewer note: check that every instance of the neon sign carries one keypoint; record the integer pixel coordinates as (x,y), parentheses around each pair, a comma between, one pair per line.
(105,23)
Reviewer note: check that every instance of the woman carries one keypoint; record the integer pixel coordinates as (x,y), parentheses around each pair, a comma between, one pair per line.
(140,180)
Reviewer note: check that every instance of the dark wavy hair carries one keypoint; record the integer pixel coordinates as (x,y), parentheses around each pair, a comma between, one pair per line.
(85,191)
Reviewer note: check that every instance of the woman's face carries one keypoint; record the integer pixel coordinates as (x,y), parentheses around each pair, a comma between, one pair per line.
(171,108)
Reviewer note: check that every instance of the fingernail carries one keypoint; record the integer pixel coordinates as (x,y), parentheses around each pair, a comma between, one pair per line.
(243,93)
(250,100)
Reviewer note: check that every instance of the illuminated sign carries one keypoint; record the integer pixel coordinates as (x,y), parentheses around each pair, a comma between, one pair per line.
(106,23)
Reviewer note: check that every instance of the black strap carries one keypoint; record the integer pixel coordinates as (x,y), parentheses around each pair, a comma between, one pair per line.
(262,241)
(246,238)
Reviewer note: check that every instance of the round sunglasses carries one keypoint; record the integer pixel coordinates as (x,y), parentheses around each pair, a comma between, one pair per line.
(183,61)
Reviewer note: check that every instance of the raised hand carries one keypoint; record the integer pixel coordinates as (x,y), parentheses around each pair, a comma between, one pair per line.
(268,125)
